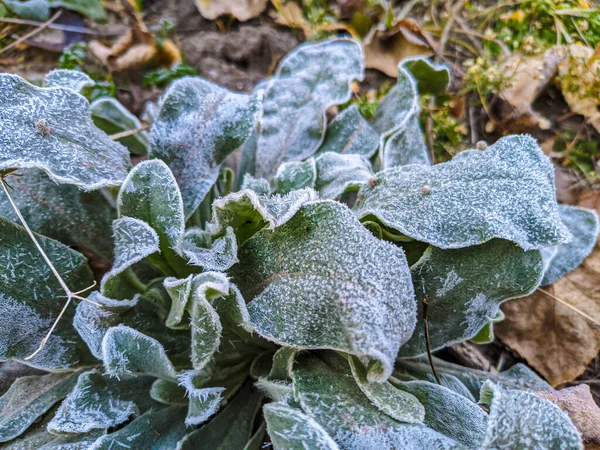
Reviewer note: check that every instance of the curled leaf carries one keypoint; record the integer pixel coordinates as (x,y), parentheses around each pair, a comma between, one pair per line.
(72,79)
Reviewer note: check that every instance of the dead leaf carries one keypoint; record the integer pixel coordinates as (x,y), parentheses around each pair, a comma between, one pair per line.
(385,48)
(578,403)
(556,341)
(579,76)
(136,48)
(242,10)
(528,77)
(290,15)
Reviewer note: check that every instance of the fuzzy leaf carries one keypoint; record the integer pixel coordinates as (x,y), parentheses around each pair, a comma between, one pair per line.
(31,299)
(323,281)
(156,429)
(112,117)
(51,129)
(219,434)
(62,212)
(220,255)
(399,405)
(431,78)
(506,191)
(204,401)
(168,393)
(449,413)
(126,351)
(29,398)
(98,402)
(89,8)
(520,419)
(199,124)
(327,393)
(337,174)
(30,9)
(72,79)
(465,287)
(307,81)
(350,133)
(583,225)
(291,429)
(259,185)
(295,175)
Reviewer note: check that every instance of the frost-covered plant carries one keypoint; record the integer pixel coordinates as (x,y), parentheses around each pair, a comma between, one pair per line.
(274,293)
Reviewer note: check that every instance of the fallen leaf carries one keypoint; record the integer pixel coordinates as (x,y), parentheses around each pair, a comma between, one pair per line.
(385,48)
(242,10)
(135,48)
(578,403)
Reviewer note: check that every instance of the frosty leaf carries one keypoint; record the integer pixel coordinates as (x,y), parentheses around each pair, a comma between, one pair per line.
(406,146)
(31,299)
(72,79)
(583,225)
(62,212)
(51,129)
(156,429)
(126,351)
(258,185)
(520,419)
(246,212)
(203,401)
(98,402)
(30,397)
(112,117)
(199,124)
(328,394)
(289,428)
(465,287)
(295,175)
(307,81)
(431,78)
(350,133)
(397,404)
(283,362)
(134,241)
(30,9)
(506,191)
(90,8)
(323,281)
(219,434)
(337,174)
(221,255)
(168,393)
(449,413)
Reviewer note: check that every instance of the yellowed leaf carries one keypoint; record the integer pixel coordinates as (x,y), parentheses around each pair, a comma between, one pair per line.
(242,10)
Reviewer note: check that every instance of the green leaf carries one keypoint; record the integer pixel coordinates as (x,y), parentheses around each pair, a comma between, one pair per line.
(29,398)
(323,281)
(291,429)
(307,81)
(465,287)
(90,8)
(431,78)
(168,393)
(350,133)
(62,212)
(397,404)
(156,429)
(221,433)
(283,362)
(337,174)
(328,394)
(199,124)
(219,255)
(506,191)
(38,10)
(51,129)
(258,185)
(295,175)
(126,351)
(520,419)
(98,402)
(31,299)
(112,117)
(75,80)
(582,223)
(449,413)
(204,401)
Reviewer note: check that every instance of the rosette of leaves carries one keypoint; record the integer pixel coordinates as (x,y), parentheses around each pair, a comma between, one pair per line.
(288,311)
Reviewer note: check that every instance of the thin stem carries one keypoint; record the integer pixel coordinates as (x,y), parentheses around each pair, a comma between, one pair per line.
(126,133)
(56,26)
(571,307)
(33,32)
(428,342)
(45,340)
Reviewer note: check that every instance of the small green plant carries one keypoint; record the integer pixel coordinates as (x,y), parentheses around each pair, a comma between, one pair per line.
(163,76)
(255,300)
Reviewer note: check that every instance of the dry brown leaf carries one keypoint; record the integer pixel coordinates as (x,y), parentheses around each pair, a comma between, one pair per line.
(555,340)
(384,48)
(136,48)
(528,76)
(290,15)
(579,75)
(578,403)
(242,10)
